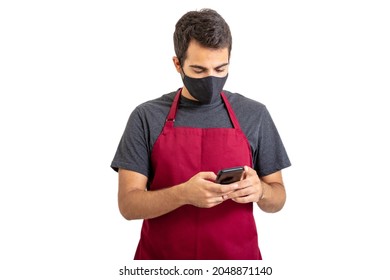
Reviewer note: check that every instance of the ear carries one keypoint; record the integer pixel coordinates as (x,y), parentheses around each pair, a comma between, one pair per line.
(177,65)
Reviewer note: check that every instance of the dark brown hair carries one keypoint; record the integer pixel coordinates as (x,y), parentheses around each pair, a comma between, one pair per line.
(205,26)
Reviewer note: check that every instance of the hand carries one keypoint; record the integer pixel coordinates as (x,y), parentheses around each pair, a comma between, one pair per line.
(250,189)
(201,191)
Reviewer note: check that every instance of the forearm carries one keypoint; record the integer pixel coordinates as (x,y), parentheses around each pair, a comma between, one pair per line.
(138,204)
(199,191)
(273,198)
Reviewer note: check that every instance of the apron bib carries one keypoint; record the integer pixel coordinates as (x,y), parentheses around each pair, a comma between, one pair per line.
(225,231)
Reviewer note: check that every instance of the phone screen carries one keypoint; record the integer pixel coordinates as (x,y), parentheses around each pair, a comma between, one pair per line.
(229,175)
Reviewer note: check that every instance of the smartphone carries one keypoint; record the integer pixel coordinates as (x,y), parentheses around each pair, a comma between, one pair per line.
(229,175)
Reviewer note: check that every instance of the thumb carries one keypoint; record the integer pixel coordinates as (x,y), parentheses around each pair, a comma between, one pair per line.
(208,175)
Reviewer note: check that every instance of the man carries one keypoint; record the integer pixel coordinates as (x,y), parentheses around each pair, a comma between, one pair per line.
(173,147)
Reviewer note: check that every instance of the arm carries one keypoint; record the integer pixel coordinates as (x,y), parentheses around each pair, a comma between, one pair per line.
(273,195)
(135,202)
(268,191)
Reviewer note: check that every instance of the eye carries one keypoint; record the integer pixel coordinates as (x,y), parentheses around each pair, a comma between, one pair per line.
(220,70)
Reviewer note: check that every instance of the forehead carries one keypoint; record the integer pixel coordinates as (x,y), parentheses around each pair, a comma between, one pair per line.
(207,57)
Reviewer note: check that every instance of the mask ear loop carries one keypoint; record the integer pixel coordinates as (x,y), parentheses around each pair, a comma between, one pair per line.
(183,73)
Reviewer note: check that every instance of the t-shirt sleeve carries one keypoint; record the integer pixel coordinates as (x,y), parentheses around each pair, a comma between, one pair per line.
(271,156)
(132,152)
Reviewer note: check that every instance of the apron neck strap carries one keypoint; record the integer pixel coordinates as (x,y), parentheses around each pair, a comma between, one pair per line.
(172,112)
(232,115)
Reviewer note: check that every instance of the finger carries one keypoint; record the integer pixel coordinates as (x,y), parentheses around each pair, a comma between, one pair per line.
(244,199)
(248,190)
(225,189)
(248,170)
(211,176)
(243,184)
(215,201)
(236,194)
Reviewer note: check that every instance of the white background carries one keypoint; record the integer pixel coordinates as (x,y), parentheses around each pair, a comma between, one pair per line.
(71,72)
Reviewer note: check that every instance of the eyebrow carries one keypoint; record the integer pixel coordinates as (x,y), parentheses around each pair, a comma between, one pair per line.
(204,68)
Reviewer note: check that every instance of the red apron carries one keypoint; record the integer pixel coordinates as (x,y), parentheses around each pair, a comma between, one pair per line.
(226,231)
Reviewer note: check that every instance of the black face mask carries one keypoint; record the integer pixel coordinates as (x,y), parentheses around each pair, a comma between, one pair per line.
(206,89)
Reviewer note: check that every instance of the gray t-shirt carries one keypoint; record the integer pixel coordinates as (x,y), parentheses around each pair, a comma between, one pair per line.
(147,121)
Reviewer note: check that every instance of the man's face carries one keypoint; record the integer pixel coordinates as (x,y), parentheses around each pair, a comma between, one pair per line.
(202,62)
